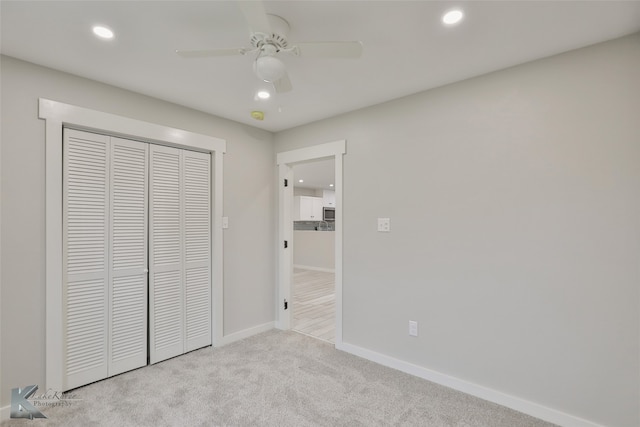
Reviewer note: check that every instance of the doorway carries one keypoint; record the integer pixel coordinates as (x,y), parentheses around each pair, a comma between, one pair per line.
(286,161)
(313,246)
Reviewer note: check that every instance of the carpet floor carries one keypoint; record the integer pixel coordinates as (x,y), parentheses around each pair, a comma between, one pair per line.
(273,379)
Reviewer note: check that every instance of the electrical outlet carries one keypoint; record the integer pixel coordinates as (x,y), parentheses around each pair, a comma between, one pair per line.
(384,225)
(413,328)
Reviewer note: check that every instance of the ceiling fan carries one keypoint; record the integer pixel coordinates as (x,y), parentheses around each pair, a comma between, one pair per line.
(269,41)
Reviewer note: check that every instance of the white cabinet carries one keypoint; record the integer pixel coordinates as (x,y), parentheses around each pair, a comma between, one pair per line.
(329,198)
(306,208)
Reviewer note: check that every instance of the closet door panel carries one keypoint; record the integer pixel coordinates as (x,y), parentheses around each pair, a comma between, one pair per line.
(166,305)
(137,254)
(128,260)
(85,255)
(197,196)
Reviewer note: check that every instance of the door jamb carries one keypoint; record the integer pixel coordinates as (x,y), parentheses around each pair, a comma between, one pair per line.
(285,160)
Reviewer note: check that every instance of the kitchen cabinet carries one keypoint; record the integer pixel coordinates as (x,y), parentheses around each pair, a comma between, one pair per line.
(329,198)
(307,208)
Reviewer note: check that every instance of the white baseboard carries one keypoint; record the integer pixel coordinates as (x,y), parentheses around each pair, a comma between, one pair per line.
(5,413)
(310,267)
(521,405)
(245,333)
(527,407)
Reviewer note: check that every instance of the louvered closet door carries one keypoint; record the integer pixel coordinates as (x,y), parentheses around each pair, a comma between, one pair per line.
(197,220)
(105,256)
(85,254)
(128,260)
(180,252)
(166,302)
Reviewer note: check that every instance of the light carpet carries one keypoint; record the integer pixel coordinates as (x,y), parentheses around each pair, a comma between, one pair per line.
(273,379)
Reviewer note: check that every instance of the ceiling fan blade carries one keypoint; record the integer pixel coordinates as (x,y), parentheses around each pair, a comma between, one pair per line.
(256,16)
(211,52)
(330,49)
(283,85)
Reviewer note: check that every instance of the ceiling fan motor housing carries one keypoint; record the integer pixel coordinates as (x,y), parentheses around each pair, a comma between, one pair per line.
(277,37)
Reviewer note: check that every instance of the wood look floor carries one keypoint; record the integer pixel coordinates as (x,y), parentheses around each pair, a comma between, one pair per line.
(314,303)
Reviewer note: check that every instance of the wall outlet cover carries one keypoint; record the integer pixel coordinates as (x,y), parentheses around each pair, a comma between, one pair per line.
(384,225)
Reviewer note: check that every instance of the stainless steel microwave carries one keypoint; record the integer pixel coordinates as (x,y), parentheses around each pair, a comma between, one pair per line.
(329,214)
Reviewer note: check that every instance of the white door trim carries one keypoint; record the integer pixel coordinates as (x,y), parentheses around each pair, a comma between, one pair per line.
(56,115)
(285,160)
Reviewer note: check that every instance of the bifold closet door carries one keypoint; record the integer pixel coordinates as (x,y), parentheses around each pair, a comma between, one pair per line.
(105,256)
(166,303)
(180,252)
(128,258)
(197,278)
(85,252)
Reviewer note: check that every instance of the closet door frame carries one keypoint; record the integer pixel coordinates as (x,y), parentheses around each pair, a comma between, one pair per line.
(58,115)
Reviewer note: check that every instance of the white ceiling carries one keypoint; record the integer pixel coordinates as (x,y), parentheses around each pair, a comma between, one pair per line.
(406,48)
(318,174)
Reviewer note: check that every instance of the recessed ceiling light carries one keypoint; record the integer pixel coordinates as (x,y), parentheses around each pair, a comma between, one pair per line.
(263,94)
(330,185)
(102,32)
(301,180)
(452,17)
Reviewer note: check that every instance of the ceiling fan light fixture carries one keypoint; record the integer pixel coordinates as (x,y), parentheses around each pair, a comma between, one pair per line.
(269,68)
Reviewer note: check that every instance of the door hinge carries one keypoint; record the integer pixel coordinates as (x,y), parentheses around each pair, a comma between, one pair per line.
(286,304)
(286,182)
(286,244)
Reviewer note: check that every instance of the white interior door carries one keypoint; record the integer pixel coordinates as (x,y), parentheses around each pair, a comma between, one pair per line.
(180,249)
(128,257)
(85,255)
(137,234)
(197,241)
(166,302)
(105,256)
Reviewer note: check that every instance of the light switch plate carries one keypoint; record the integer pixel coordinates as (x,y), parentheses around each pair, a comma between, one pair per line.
(384,225)
(413,328)
(225,222)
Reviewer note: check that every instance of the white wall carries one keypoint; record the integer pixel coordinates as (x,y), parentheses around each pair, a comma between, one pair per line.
(515,231)
(314,249)
(249,201)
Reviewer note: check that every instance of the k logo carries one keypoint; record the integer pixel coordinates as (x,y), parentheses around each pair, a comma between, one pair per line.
(21,407)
